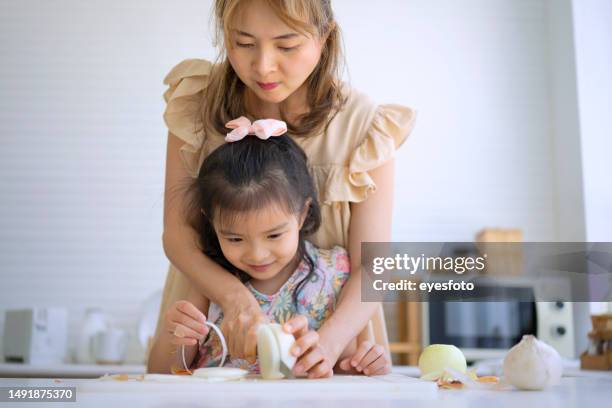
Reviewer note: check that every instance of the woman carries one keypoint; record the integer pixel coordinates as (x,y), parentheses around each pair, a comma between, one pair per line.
(280,59)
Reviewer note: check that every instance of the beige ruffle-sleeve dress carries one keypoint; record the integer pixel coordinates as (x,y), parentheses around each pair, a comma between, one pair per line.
(361,137)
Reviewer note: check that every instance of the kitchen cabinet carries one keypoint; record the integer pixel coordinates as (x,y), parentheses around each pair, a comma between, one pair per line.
(404,320)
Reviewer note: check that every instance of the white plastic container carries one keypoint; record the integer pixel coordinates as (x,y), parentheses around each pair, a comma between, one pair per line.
(94,322)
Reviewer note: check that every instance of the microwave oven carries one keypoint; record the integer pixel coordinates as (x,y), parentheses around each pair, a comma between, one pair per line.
(487,329)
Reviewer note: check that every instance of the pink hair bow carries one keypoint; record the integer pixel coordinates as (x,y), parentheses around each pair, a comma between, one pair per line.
(263,128)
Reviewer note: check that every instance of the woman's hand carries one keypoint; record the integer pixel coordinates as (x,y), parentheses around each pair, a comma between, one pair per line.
(186,323)
(239,326)
(314,360)
(369,359)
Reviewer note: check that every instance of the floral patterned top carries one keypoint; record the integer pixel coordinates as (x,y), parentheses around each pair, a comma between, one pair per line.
(316,299)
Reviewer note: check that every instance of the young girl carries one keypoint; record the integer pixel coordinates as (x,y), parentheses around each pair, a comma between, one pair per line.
(280,59)
(253,204)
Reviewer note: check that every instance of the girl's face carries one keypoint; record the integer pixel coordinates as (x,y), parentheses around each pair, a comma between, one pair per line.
(272,59)
(262,243)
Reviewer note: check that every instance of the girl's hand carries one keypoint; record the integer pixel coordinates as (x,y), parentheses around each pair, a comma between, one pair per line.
(239,326)
(186,323)
(369,359)
(313,359)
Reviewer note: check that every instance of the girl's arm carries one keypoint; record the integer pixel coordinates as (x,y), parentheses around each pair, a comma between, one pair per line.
(166,351)
(241,310)
(370,222)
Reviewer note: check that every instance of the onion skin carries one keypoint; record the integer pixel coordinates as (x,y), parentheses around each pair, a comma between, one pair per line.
(532,365)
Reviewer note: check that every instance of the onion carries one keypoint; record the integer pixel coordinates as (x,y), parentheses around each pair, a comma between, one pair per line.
(437,357)
(273,346)
(532,365)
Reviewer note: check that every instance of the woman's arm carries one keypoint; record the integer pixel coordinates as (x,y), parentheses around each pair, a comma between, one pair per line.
(241,310)
(370,222)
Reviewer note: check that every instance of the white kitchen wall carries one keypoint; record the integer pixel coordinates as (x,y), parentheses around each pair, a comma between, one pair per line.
(83,141)
(477,71)
(593,33)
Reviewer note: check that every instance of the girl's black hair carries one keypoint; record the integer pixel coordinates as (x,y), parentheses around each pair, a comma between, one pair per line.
(249,175)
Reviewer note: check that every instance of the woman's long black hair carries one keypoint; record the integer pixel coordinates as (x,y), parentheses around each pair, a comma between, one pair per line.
(249,175)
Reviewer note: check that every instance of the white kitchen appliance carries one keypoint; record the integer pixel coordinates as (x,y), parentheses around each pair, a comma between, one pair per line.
(486,330)
(35,335)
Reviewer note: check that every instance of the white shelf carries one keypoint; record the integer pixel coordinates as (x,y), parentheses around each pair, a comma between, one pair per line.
(19,370)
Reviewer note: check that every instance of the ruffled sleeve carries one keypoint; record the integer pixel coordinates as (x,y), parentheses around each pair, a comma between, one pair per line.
(186,82)
(388,130)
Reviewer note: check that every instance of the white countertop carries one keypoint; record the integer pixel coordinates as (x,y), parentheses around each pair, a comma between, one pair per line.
(571,368)
(20,370)
(579,392)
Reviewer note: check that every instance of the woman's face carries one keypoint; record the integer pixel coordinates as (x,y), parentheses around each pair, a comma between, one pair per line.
(272,59)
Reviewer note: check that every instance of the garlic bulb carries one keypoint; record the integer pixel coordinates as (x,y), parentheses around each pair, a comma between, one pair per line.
(532,364)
